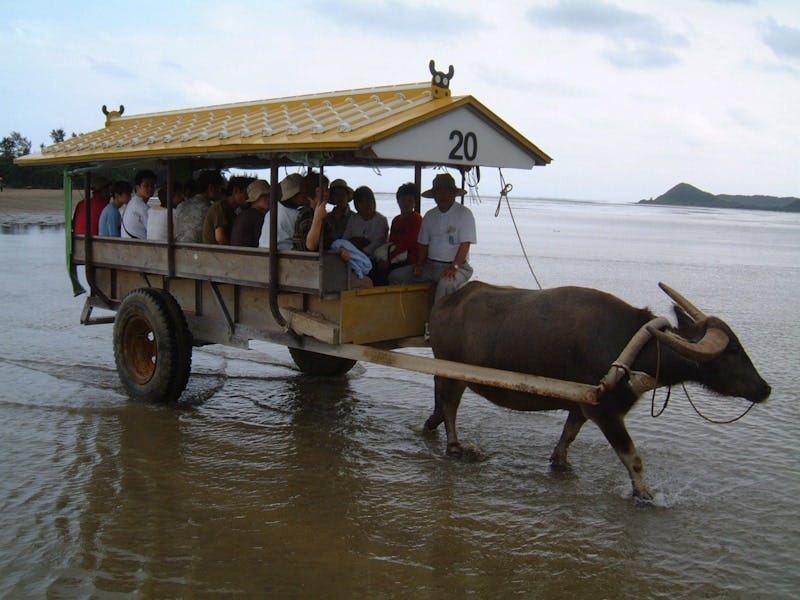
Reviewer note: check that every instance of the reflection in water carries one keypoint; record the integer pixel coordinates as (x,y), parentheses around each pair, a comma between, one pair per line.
(33,225)
(265,482)
(170,490)
(18,228)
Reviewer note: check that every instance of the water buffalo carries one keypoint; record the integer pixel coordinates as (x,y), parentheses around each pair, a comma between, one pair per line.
(575,334)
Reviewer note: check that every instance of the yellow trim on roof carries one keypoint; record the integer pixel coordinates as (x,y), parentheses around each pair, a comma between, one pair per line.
(343,121)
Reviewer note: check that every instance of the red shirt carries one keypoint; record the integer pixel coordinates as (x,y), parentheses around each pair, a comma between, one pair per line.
(98,203)
(404,233)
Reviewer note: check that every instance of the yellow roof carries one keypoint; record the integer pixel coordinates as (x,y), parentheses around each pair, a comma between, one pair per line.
(348,125)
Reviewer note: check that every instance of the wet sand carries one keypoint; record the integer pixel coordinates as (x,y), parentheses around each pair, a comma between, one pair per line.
(30,207)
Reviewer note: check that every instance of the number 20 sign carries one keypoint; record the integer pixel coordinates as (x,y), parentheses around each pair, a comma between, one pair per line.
(465,146)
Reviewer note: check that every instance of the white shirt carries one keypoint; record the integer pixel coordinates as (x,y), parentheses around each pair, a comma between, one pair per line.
(444,232)
(376,230)
(286,219)
(157,223)
(134,219)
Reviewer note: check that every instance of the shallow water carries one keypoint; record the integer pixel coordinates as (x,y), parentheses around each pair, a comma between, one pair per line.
(265,482)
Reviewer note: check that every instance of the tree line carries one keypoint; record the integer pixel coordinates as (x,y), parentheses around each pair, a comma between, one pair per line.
(15,145)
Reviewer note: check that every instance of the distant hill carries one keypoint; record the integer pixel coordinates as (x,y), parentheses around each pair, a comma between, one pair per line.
(684,194)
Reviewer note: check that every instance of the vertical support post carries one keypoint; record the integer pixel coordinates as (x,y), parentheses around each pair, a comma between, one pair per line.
(87,237)
(418,185)
(322,240)
(91,270)
(170,226)
(72,271)
(273,244)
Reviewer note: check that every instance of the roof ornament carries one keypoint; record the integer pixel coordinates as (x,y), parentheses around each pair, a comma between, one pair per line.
(440,83)
(113,114)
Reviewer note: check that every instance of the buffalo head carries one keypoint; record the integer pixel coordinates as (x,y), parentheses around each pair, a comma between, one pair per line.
(722,364)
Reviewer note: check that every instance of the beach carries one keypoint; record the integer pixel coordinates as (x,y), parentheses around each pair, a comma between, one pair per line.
(31,207)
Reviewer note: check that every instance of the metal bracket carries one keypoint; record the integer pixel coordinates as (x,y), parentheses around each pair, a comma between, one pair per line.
(86,314)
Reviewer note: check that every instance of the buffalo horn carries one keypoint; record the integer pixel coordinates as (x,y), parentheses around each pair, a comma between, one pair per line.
(712,345)
(695,313)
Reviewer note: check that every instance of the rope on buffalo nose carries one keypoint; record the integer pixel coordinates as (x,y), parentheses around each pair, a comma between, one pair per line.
(669,387)
(741,416)
(688,397)
(506,188)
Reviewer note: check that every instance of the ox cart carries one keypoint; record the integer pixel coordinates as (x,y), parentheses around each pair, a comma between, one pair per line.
(169,296)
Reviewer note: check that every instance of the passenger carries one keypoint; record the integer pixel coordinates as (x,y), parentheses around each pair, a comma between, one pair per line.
(189,190)
(178,194)
(157,215)
(291,200)
(247,225)
(447,232)
(190,214)
(134,219)
(367,229)
(110,218)
(97,202)
(341,194)
(219,218)
(405,227)
(311,225)
(312,230)
(403,248)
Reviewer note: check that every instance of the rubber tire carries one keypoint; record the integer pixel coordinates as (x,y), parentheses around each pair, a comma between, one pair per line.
(184,340)
(324,365)
(149,347)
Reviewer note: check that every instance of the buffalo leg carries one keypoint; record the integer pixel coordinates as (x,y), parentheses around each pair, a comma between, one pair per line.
(572,426)
(613,427)
(447,397)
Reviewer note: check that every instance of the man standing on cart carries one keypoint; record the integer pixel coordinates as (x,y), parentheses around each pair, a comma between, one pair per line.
(447,232)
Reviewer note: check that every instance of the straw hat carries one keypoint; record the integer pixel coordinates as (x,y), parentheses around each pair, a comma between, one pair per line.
(341,183)
(290,186)
(443,181)
(256,189)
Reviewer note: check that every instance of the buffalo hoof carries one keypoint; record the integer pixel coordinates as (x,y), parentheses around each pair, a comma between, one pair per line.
(559,466)
(455,449)
(433,422)
(643,497)
(464,453)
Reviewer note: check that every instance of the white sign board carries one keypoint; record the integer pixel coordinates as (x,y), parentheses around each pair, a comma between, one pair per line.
(460,137)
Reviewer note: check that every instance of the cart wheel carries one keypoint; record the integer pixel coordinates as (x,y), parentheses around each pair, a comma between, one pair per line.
(184,343)
(150,347)
(314,363)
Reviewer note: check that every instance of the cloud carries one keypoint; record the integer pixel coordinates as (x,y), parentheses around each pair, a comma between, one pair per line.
(499,77)
(784,41)
(396,19)
(635,40)
(635,55)
(745,118)
(742,2)
(170,64)
(110,68)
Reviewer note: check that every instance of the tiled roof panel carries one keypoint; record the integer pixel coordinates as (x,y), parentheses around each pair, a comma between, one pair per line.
(336,119)
(345,120)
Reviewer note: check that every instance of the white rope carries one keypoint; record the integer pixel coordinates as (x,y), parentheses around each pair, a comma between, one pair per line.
(506,188)
(472,180)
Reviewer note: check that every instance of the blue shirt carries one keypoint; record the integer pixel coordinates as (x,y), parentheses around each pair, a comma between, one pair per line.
(110,221)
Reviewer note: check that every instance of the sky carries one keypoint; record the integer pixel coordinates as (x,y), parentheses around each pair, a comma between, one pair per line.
(629,97)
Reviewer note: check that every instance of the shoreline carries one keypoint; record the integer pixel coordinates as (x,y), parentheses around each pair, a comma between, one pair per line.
(32,207)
